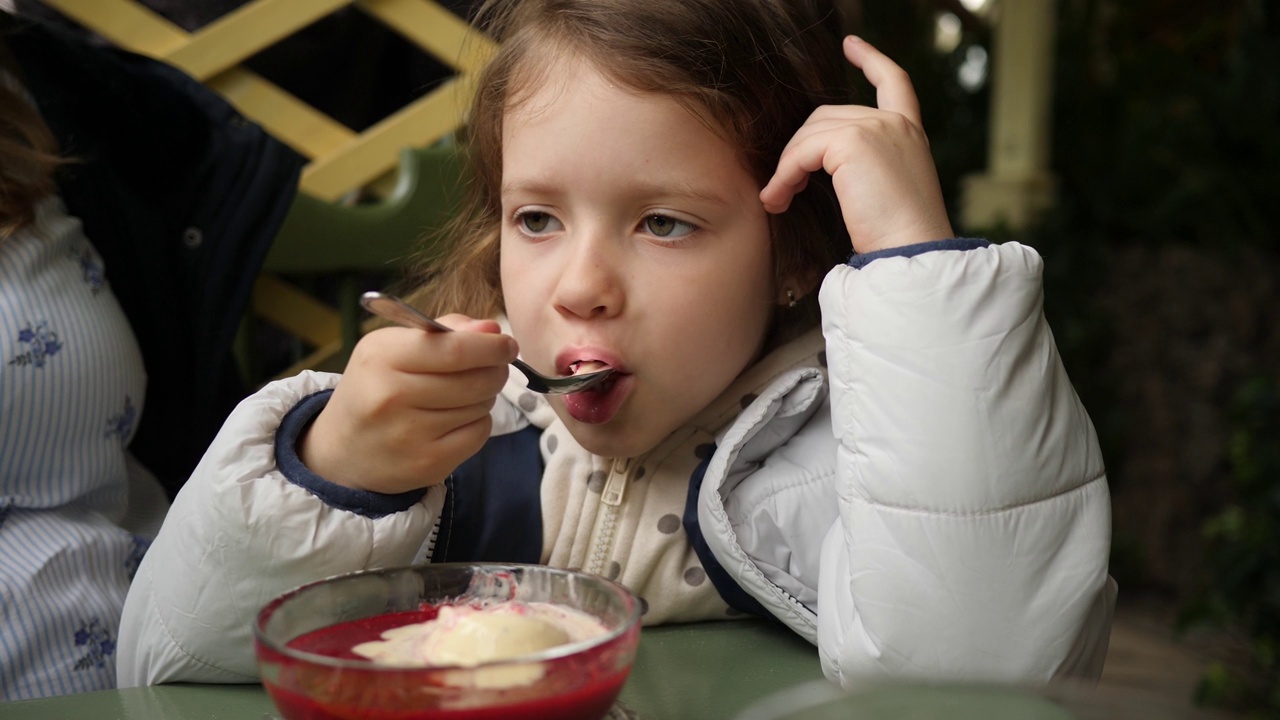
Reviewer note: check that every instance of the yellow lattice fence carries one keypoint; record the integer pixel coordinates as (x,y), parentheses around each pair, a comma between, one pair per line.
(340,160)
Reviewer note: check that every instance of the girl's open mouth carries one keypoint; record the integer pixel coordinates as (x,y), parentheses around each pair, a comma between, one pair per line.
(599,403)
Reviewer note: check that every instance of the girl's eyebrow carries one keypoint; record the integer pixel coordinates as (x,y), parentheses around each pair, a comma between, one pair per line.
(529,187)
(673,189)
(679,189)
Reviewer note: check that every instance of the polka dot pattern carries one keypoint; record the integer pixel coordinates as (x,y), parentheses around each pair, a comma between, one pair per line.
(668,524)
(649,548)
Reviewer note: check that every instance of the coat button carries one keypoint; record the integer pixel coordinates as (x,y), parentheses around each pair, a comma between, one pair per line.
(192,237)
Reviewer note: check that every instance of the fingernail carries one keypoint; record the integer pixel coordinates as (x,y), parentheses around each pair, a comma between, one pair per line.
(854,39)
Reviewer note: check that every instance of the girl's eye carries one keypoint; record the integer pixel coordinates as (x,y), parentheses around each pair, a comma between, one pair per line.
(665,226)
(536,222)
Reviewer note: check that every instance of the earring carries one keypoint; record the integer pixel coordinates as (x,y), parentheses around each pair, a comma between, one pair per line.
(791,298)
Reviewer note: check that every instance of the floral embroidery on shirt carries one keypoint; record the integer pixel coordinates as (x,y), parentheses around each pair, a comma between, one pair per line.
(91,271)
(41,343)
(98,644)
(134,559)
(121,425)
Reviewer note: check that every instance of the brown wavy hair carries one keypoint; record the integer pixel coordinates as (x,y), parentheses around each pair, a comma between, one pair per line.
(752,70)
(28,156)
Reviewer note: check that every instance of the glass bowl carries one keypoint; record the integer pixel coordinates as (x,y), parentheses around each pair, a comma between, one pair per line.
(303,641)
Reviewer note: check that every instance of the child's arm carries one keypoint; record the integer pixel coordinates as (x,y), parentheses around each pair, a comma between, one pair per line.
(974,517)
(239,533)
(261,514)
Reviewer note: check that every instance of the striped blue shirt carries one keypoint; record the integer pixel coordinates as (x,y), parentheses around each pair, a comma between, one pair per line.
(72,384)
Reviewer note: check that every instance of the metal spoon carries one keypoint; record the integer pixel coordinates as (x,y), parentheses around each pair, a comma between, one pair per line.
(398,311)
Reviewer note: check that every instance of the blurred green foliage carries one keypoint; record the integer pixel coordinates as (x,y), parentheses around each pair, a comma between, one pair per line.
(1167,130)
(1242,584)
(1166,120)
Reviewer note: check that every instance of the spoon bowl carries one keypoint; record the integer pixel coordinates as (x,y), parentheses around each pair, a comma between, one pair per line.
(398,311)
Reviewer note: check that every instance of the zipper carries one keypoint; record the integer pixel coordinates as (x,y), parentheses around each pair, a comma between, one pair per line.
(615,488)
(427,552)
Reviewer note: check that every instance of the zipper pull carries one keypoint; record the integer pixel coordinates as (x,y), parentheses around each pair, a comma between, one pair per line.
(616,485)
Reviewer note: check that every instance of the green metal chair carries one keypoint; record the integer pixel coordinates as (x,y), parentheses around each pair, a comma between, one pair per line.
(345,250)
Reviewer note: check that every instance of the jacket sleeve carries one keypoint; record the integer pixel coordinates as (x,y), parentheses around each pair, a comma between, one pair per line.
(974,516)
(239,534)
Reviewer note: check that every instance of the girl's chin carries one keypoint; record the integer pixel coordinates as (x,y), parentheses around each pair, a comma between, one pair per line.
(608,441)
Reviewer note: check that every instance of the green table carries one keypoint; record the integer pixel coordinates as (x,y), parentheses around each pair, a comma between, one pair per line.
(703,671)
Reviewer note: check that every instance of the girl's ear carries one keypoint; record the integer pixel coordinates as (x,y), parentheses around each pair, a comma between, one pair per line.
(794,287)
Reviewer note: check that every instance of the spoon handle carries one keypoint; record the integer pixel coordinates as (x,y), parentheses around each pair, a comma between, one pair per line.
(397,310)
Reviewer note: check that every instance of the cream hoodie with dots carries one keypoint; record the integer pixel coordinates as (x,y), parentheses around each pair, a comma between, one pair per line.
(621,517)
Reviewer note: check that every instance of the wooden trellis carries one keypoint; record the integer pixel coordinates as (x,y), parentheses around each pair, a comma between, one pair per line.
(340,160)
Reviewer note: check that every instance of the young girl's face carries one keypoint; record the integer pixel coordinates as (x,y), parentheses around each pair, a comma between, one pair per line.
(632,235)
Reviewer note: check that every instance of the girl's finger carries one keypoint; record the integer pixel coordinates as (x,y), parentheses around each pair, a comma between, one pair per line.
(807,153)
(799,160)
(894,91)
(417,351)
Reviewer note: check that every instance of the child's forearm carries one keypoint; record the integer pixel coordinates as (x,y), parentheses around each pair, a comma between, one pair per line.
(237,535)
(974,502)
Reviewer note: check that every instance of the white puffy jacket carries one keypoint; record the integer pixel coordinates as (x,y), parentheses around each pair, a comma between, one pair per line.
(968,537)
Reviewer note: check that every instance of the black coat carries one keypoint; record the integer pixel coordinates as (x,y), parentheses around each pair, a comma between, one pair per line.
(182,197)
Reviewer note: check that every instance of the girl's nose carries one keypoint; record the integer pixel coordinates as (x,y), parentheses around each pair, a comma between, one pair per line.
(591,282)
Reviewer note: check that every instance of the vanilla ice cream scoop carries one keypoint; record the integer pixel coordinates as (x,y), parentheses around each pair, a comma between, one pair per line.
(467,636)
(484,637)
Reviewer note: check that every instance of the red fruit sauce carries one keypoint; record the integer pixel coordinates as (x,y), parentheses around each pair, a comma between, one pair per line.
(579,687)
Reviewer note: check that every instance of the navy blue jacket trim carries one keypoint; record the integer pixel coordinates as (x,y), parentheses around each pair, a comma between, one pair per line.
(493,507)
(361,502)
(861,261)
(730,591)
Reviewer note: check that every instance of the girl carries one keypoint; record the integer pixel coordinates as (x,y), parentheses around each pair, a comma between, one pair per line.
(661,189)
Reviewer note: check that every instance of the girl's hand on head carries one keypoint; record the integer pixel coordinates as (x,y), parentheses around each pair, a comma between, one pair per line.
(878,159)
(411,406)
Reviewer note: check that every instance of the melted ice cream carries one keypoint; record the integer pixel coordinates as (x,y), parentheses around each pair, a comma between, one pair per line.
(466,636)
